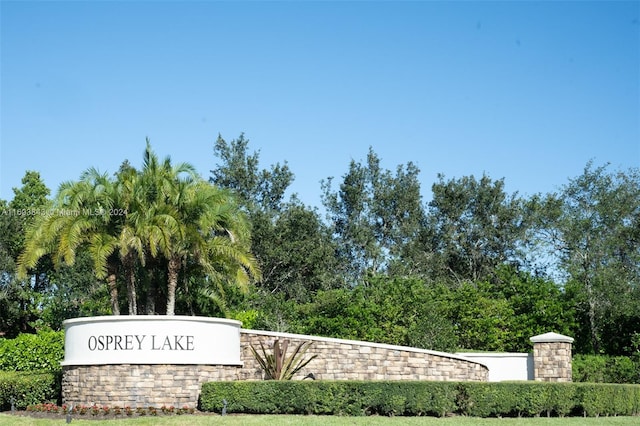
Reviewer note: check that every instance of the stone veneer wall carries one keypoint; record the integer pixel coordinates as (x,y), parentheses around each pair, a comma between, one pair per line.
(179,385)
(136,385)
(552,357)
(355,360)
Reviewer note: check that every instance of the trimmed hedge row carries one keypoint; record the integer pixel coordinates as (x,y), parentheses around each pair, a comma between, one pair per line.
(421,398)
(28,389)
(330,397)
(557,399)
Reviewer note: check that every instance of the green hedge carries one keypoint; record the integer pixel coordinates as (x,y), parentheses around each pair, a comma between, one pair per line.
(28,389)
(330,397)
(422,398)
(32,352)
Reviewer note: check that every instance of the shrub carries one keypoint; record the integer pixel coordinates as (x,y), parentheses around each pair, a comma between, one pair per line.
(506,399)
(602,399)
(32,352)
(560,399)
(28,389)
(330,397)
(277,365)
(421,398)
(605,369)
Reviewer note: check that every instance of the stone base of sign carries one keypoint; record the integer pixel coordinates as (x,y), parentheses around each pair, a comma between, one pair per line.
(133,385)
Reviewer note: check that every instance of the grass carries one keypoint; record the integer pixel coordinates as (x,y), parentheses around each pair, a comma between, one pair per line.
(253,420)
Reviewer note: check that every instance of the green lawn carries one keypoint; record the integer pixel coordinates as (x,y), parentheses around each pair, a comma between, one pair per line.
(246,420)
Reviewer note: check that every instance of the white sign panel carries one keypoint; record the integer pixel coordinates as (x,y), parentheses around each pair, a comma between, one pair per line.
(142,339)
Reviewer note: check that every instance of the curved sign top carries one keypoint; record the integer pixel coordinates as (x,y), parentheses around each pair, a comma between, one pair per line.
(142,339)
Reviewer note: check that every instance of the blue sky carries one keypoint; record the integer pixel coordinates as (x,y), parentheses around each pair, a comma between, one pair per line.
(525,91)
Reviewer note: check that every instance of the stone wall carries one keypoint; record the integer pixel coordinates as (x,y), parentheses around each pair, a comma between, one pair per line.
(355,360)
(139,385)
(179,385)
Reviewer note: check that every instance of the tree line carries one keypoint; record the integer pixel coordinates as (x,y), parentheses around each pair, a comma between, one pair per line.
(475,267)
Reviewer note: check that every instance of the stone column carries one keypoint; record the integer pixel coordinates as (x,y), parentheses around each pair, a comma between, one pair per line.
(552,357)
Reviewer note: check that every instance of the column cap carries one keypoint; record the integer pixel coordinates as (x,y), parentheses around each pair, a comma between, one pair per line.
(550,338)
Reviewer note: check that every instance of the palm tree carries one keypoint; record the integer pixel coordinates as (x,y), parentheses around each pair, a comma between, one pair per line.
(155,216)
(131,243)
(80,218)
(170,215)
(192,221)
(212,234)
(150,219)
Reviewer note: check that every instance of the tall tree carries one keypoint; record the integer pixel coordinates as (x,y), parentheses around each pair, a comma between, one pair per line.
(21,296)
(151,220)
(290,242)
(29,202)
(80,218)
(297,252)
(47,296)
(187,220)
(373,214)
(14,298)
(214,235)
(473,226)
(592,229)
(239,171)
(164,214)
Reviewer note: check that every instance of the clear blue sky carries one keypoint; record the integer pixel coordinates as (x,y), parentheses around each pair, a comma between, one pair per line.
(525,91)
